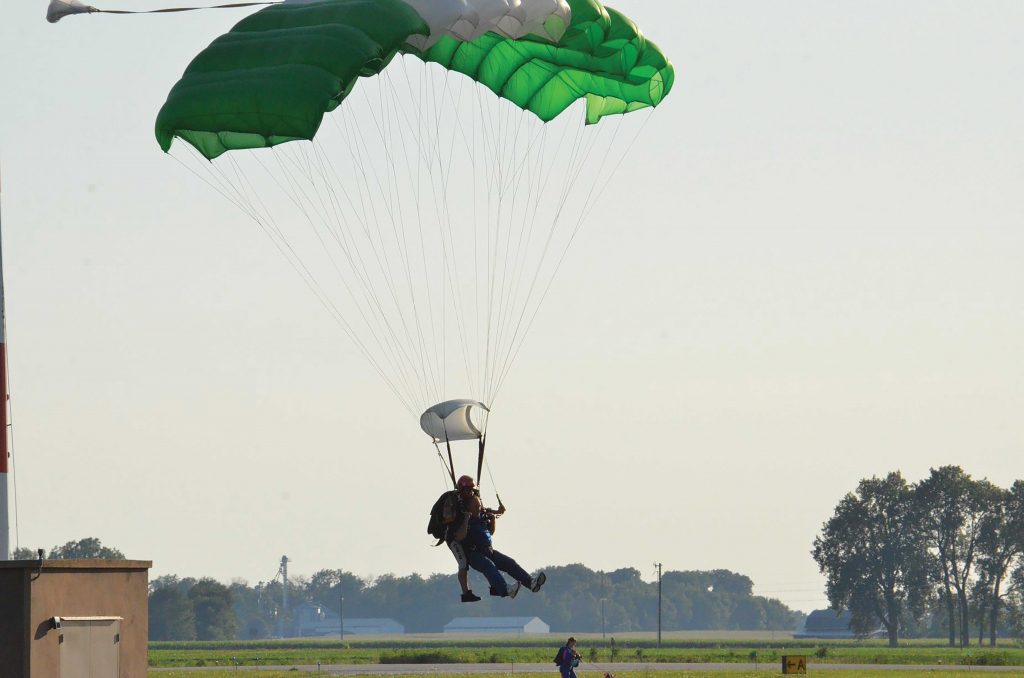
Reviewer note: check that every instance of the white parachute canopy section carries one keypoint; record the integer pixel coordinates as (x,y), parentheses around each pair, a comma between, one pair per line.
(451,420)
(469,19)
(463,20)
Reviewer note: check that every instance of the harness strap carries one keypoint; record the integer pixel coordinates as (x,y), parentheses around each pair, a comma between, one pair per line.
(480,458)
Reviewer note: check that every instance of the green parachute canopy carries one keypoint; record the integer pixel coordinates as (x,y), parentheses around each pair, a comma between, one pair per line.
(276,73)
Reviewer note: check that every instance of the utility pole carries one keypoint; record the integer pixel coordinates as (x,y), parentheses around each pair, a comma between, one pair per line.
(658,565)
(283,571)
(341,611)
(604,595)
(5,518)
(284,589)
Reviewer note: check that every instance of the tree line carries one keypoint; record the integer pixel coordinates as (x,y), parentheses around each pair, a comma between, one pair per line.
(575,599)
(941,555)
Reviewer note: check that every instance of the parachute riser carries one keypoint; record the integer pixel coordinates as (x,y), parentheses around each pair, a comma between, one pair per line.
(451,462)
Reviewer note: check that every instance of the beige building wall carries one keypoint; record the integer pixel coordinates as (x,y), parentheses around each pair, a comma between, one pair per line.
(31,596)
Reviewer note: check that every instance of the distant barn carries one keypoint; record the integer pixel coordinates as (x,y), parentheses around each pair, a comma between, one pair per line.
(829,624)
(497,625)
(316,620)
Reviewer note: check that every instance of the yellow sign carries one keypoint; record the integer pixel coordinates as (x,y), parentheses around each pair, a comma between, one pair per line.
(794,664)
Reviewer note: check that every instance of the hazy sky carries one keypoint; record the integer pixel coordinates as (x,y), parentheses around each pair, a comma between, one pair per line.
(816,279)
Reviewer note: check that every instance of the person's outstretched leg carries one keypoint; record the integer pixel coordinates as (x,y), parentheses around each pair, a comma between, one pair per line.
(506,564)
(487,568)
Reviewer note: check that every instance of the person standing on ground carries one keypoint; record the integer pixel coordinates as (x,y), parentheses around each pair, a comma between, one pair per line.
(568,659)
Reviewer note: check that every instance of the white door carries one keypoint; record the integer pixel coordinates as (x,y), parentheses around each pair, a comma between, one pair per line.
(90,647)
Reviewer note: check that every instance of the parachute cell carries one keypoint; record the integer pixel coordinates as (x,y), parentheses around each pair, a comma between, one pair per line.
(603,58)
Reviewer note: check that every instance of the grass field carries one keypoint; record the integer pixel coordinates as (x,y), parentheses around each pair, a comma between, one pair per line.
(220,673)
(492,651)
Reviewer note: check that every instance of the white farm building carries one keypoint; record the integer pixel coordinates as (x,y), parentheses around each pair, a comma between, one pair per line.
(316,620)
(497,625)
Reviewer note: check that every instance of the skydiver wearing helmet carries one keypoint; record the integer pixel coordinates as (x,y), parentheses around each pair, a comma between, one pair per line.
(456,517)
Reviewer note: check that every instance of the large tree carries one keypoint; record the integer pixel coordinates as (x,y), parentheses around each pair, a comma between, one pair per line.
(171,616)
(953,507)
(873,555)
(90,547)
(1000,542)
(215,614)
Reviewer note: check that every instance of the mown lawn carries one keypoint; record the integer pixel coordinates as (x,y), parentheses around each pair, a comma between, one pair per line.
(307,652)
(221,673)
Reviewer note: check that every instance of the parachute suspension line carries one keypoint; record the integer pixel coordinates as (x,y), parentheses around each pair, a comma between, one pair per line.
(482,448)
(577,161)
(493,158)
(450,278)
(394,117)
(493,187)
(337,235)
(419,203)
(437,376)
(358,143)
(429,152)
(579,225)
(451,463)
(390,343)
(298,197)
(512,268)
(385,132)
(425,351)
(286,162)
(220,183)
(289,165)
(476,264)
(487,465)
(330,214)
(445,471)
(458,301)
(529,222)
(470,148)
(507,179)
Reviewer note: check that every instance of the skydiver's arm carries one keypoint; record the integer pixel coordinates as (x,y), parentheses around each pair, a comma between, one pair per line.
(498,512)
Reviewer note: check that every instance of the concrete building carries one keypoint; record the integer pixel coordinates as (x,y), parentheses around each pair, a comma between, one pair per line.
(511,625)
(74,618)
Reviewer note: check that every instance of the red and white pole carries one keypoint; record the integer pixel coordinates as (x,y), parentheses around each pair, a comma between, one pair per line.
(5,518)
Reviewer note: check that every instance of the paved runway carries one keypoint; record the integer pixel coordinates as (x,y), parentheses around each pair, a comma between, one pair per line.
(456,669)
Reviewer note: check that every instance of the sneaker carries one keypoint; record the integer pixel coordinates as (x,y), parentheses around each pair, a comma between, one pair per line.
(470,597)
(514,591)
(537,582)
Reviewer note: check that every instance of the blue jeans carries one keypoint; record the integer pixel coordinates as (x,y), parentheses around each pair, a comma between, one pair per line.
(491,564)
